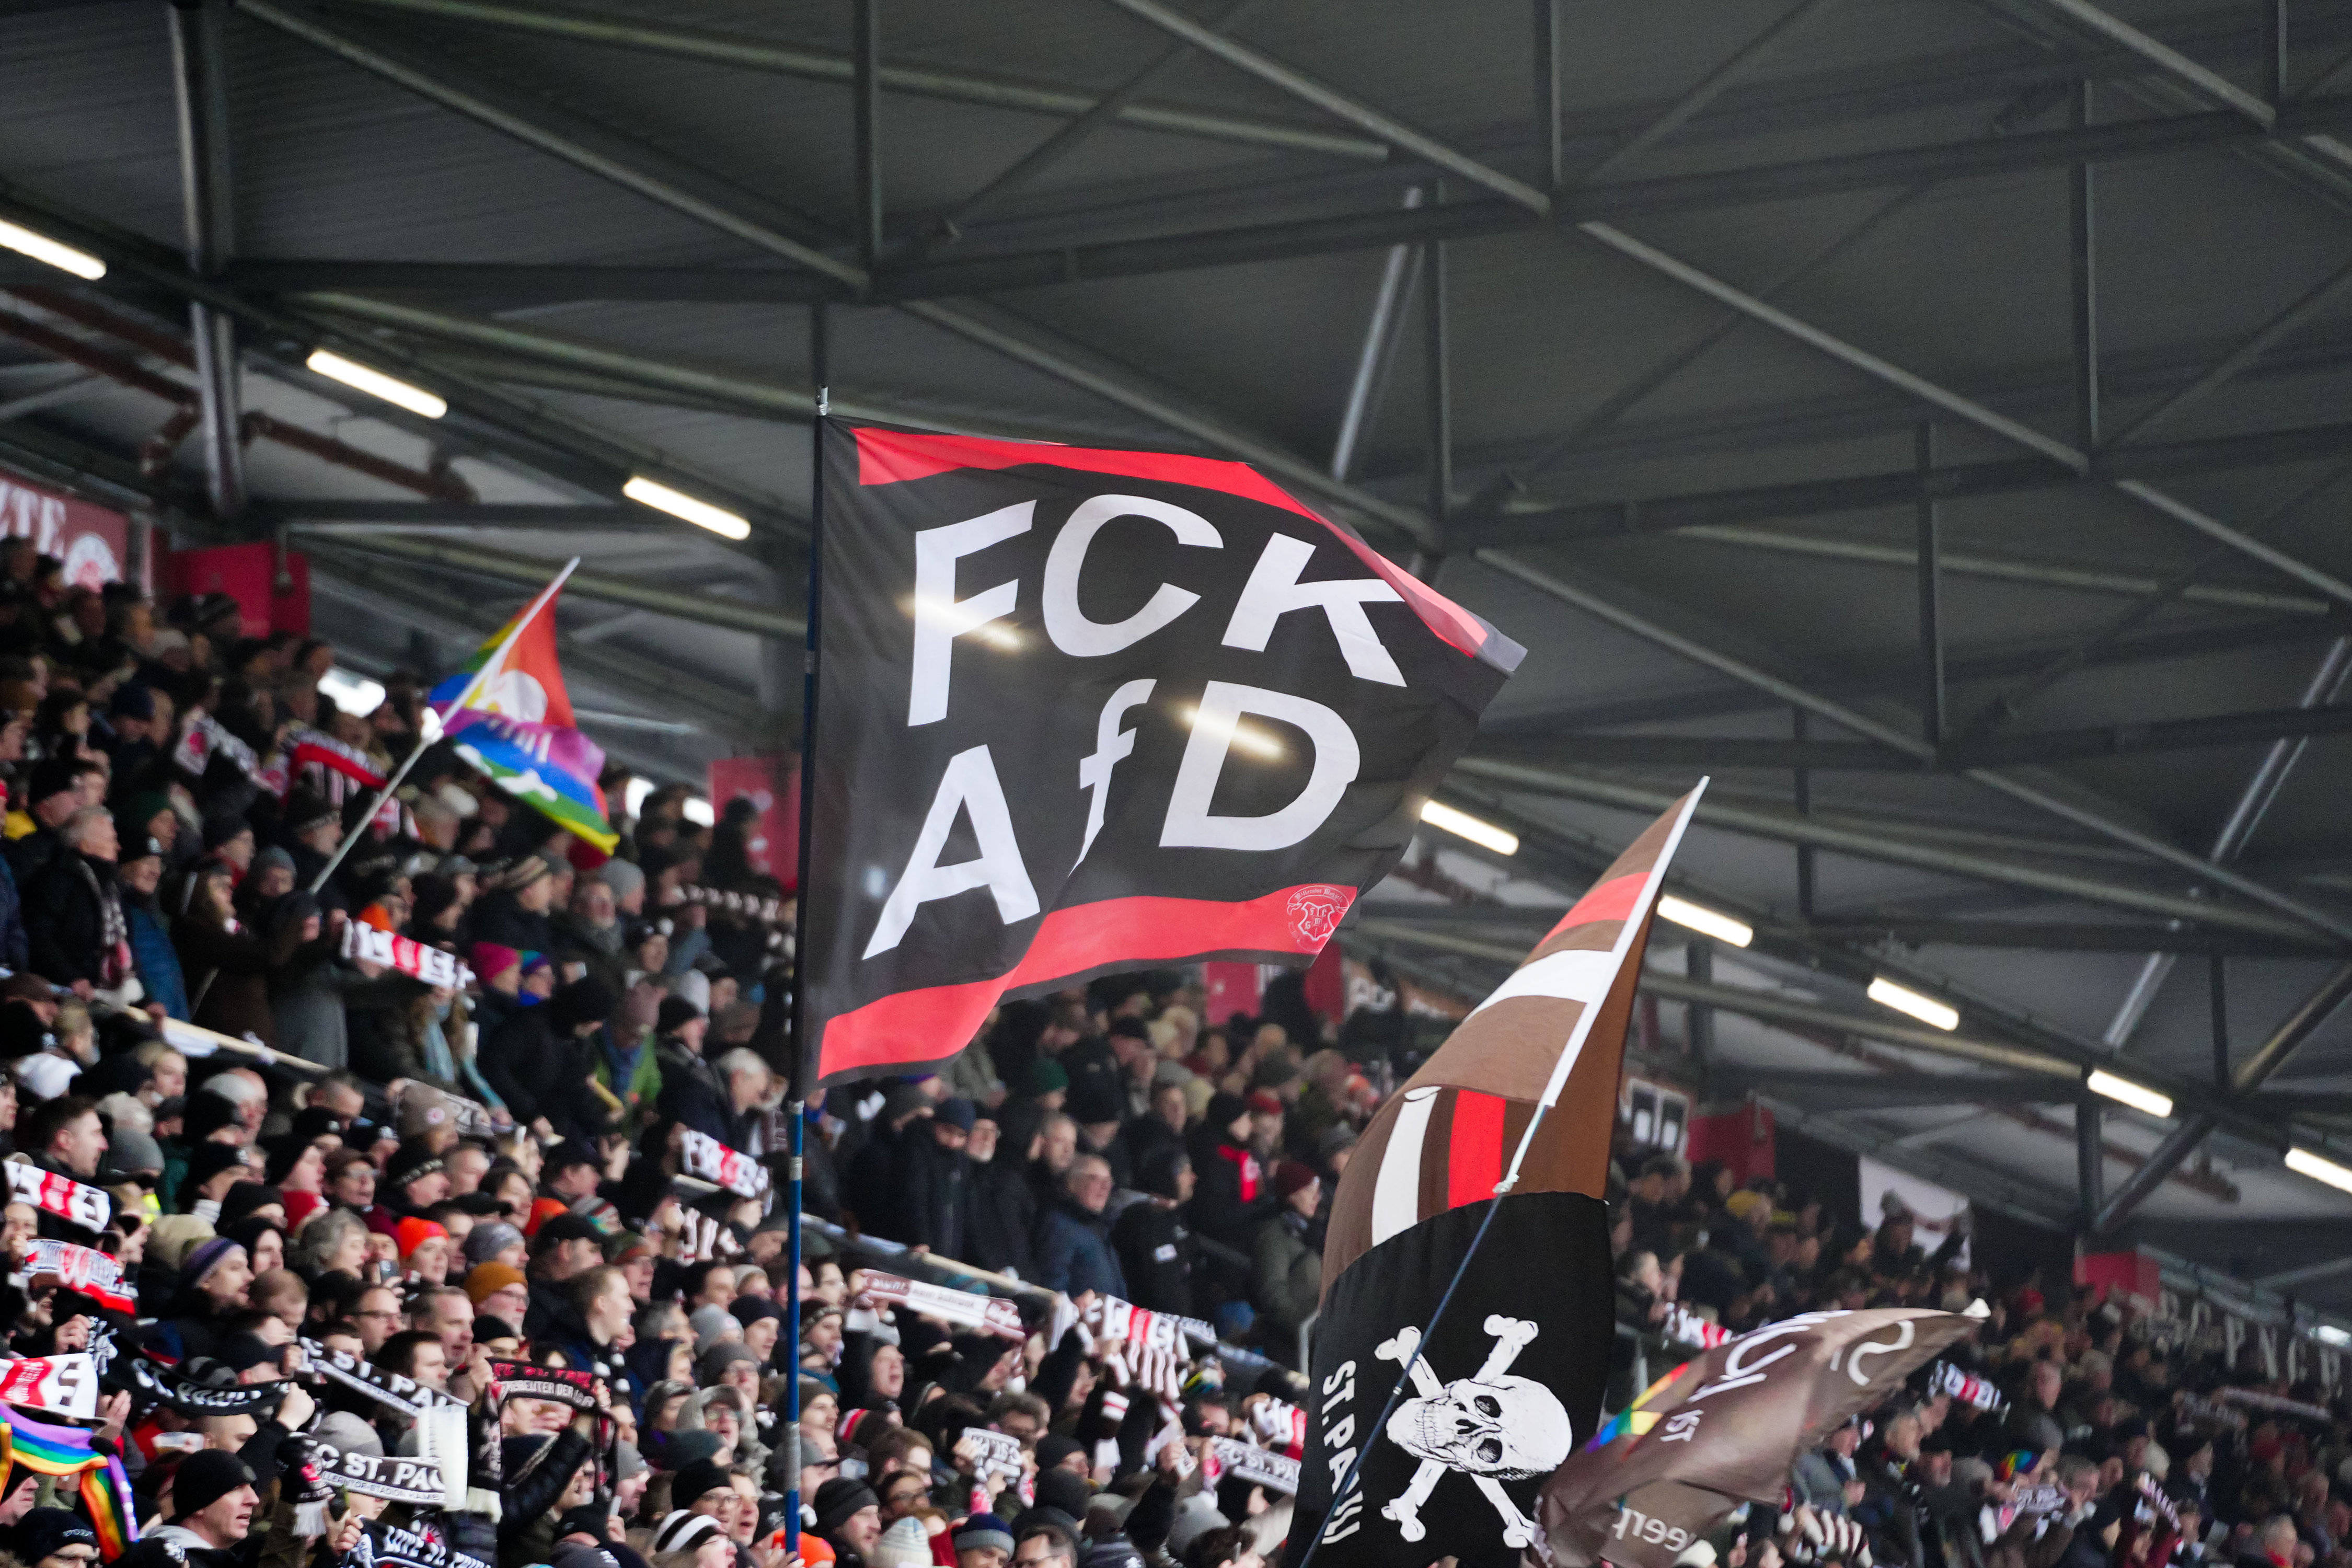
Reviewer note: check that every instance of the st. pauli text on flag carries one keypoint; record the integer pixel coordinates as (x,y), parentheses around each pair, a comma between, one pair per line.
(62,1197)
(366,944)
(1230,1458)
(60,1384)
(993,1313)
(705,1159)
(84,1270)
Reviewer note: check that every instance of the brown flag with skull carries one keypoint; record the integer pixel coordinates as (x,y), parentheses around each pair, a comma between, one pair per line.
(1507,1380)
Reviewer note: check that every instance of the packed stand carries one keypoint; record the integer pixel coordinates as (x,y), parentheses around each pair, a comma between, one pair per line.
(416,1206)
(2074,1429)
(415,1259)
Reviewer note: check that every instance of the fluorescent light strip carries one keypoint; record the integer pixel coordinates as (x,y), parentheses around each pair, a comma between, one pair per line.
(1903,999)
(41,247)
(702,513)
(2304,1163)
(1462,825)
(375,383)
(1705,921)
(2123,1091)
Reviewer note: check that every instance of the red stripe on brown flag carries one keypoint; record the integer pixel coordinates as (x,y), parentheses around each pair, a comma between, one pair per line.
(1509,1048)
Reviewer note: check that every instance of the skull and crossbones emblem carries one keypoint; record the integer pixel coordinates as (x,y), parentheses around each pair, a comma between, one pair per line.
(1491,1426)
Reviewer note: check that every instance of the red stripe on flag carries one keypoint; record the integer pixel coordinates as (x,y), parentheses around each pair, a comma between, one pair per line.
(1474,1157)
(1612,900)
(890,456)
(936,1022)
(886,456)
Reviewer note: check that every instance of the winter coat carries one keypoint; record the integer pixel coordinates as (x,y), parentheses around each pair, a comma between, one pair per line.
(387,1032)
(932,1188)
(577,941)
(1157,1251)
(306,997)
(228,973)
(14,951)
(692,1095)
(536,1074)
(1074,1252)
(1287,1279)
(1003,1217)
(65,918)
(153,956)
(1234,1197)
(498,918)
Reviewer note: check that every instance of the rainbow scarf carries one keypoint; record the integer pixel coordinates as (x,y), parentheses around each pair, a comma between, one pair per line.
(62,1451)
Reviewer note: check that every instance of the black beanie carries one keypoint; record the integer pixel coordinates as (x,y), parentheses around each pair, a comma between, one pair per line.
(203,1478)
(837,1499)
(693,1480)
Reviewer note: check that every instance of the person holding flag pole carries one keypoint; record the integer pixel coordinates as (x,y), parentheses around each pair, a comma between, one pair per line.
(489,670)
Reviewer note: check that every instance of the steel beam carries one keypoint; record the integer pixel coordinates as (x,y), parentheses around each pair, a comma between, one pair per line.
(207,206)
(2252,1074)
(2255,344)
(866,101)
(1105,110)
(1845,1091)
(1539,522)
(1545,60)
(1379,351)
(2076,459)
(1084,255)
(1931,595)
(2253,803)
(747,53)
(2009,569)
(2281,725)
(1437,357)
(1306,89)
(2090,1159)
(2082,253)
(577,140)
(706,609)
(1790,829)
(1609,609)
(339,517)
(2048,936)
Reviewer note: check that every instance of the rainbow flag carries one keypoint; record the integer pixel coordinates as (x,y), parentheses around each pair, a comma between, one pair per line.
(48,1450)
(510,717)
(1633,1421)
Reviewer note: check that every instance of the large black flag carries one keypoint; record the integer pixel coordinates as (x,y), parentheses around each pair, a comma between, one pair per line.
(1084,710)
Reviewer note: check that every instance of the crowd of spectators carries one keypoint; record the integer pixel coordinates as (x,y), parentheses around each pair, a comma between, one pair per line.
(429,1178)
(2074,1429)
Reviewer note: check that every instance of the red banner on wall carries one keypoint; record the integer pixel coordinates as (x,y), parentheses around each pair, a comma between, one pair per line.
(93,542)
(247,573)
(772,784)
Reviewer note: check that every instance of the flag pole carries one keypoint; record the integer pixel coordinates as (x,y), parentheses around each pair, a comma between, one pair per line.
(1569,1051)
(351,835)
(796,1093)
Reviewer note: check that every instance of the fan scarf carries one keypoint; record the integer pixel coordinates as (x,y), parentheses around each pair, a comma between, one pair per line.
(167,1386)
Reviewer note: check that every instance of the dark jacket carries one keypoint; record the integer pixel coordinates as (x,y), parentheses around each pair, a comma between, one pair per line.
(1234,1197)
(1074,1252)
(538,1074)
(228,973)
(1157,1251)
(1288,1281)
(692,1096)
(498,918)
(932,1185)
(386,1033)
(1003,1218)
(13,952)
(152,955)
(65,918)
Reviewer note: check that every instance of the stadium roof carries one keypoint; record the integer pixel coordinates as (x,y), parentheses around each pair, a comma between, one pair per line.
(1670,337)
